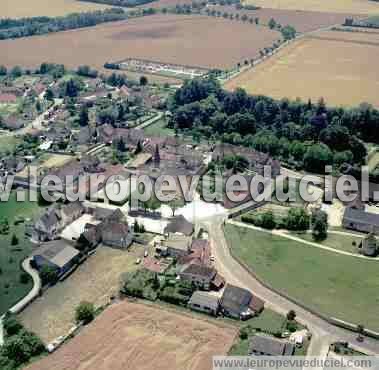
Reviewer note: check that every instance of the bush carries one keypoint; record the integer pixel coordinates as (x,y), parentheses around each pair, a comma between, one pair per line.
(48,275)
(14,240)
(85,312)
(24,278)
(244,332)
(11,325)
(297,220)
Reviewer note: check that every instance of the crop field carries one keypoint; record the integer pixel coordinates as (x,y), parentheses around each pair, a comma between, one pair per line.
(96,280)
(340,286)
(163,38)
(332,6)
(334,65)
(34,8)
(303,21)
(136,336)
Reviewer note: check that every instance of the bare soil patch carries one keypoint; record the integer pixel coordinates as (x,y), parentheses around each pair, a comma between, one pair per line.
(96,281)
(136,336)
(189,40)
(337,66)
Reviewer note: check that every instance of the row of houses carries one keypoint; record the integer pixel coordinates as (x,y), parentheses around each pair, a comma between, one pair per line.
(235,302)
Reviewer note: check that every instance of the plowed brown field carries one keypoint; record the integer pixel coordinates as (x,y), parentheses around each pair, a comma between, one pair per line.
(190,40)
(337,66)
(136,336)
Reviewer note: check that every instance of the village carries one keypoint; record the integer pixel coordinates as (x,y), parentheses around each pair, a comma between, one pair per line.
(73,123)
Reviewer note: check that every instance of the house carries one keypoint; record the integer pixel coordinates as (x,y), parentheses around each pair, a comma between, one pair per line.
(198,275)
(54,219)
(239,303)
(204,302)
(200,252)
(176,245)
(56,254)
(266,346)
(369,246)
(7,98)
(179,225)
(359,220)
(116,234)
(47,226)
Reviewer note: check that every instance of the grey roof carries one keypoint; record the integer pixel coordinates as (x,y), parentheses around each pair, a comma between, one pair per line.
(204,299)
(270,346)
(199,270)
(175,241)
(179,225)
(57,252)
(235,298)
(358,215)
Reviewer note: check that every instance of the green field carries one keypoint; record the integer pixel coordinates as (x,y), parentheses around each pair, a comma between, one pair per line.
(336,285)
(8,143)
(159,128)
(11,289)
(337,241)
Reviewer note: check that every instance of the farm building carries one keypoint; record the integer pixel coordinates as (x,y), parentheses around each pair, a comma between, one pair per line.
(266,346)
(116,235)
(204,302)
(239,303)
(359,220)
(56,254)
(200,253)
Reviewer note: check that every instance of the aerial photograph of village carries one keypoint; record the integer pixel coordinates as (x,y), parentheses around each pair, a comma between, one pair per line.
(186,182)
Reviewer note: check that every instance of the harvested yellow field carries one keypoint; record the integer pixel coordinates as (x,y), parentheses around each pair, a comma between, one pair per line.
(331,6)
(51,8)
(334,65)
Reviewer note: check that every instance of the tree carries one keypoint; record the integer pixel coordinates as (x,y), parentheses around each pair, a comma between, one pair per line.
(297,220)
(319,225)
(83,116)
(49,95)
(3,71)
(317,157)
(11,325)
(16,71)
(291,315)
(85,312)
(268,220)
(272,23)
(48,275)
(14,240)
(288,32)
(143,81)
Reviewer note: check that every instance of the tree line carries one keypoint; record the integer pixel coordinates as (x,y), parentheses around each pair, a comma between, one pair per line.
(120,3)
(302,134)
(15,28)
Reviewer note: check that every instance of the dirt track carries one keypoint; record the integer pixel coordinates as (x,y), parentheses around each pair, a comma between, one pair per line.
(136,336)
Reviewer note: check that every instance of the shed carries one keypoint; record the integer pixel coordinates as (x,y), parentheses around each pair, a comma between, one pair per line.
(204,302)
(266,346)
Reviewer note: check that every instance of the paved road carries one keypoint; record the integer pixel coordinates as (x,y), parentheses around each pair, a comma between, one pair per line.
(35,290)
(323,332)
(285,234)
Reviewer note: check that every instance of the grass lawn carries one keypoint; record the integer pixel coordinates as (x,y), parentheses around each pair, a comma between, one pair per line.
(8,143)
(11,289)
(336,285)
(337,241)
(159,128)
